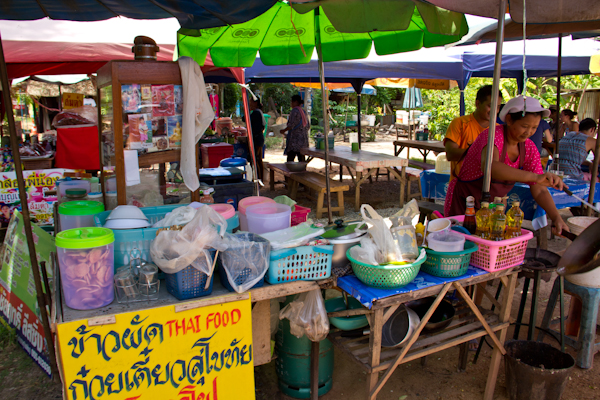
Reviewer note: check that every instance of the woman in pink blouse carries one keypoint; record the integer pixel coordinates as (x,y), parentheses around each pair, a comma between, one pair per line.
(515,159)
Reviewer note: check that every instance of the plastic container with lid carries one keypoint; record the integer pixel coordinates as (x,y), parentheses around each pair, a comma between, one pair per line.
(446,241)
(74,195)
(111,200)
(263,218)
(247,202)
(95,196)
(68,183)
(94,184)
(228,212)
(86,261)
(78,214)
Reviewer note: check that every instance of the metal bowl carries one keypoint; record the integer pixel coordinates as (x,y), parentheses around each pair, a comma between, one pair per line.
(296,166)
(441,318)
(399,327)
(346,323)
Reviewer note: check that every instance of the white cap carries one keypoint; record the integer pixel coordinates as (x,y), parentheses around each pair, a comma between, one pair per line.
(516,104)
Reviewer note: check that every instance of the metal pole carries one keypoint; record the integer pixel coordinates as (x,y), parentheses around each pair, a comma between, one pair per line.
(495,90)
(558,74)
(358,97)
(325,102)
(250,139)
(314,370)
(14,144)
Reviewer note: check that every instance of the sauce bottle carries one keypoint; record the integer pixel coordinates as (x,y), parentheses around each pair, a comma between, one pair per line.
(469,222)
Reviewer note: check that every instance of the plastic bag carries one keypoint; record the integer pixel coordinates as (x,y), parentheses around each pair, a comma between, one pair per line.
(366,252)
(307,316)
(285,200)
(85,115)
(246,259)
(407,213)
(179,216)
(294,236)
(173,251)
(387,250)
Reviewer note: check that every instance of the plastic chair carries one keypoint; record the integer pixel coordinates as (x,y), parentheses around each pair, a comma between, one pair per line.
(586,342)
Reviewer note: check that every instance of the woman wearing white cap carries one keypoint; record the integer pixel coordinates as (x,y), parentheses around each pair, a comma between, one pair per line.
(515,159)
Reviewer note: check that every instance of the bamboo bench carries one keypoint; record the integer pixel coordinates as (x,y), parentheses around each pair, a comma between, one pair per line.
(317,182)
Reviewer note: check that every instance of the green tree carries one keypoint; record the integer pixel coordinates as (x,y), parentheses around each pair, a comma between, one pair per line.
(232,93)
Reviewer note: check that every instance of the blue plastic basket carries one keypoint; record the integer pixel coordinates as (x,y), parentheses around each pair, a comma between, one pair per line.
(240,279)
(247,254)
(128,239)
(305,263)
(189,282)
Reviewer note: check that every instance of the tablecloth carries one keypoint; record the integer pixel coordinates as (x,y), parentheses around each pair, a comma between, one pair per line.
(367,294)
(434,186)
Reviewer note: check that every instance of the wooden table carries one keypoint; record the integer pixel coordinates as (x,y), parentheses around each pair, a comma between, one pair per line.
(470,322)
(424,147)
(364,163)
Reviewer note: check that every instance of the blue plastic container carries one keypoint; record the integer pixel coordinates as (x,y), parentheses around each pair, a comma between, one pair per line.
(227,285)
(128,239)
(189,283)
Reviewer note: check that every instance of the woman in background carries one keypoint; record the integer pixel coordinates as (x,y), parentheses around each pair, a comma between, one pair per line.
(567,124)
(297,125)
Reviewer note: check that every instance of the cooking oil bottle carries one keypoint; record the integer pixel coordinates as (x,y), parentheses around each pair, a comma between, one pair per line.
(497,223)
(497,200)
(483,220)
(514,219)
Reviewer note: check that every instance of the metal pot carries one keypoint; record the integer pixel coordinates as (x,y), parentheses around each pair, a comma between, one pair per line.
(340,246)
(399,327)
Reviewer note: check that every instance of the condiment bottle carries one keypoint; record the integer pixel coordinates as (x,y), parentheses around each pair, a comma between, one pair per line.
(497,201)
(469,222)
(483,220)
(514,219)
(206,196)
(497,223)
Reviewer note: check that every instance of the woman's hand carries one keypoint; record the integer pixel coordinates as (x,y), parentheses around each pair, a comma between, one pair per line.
(559,226)
(551,180)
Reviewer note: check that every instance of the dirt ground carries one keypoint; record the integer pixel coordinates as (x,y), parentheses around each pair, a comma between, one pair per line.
(438,379)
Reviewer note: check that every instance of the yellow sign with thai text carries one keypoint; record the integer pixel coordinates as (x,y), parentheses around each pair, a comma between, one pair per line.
(72,100)
(201,353)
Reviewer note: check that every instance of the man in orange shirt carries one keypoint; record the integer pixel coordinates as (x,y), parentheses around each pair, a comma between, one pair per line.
(463,131)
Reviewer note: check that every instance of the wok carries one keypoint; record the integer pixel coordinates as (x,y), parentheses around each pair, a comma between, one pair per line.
(579,256)
(441,318)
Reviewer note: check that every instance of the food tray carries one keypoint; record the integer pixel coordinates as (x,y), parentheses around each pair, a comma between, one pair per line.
(449,264)
(305,263)
(387,276)
(494,256)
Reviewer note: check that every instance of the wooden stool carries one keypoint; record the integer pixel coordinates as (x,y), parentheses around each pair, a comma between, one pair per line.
(316,182)
(414,174)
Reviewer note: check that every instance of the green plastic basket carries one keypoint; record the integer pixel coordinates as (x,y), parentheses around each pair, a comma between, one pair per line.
(386,276)
(451,264)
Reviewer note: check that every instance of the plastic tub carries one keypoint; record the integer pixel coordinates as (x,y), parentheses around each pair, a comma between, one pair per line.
(78,214)
(299,215)
(446,241)
(440,224)
(264,218)
(247,202)
(228,212)
(346,323)
(86,262)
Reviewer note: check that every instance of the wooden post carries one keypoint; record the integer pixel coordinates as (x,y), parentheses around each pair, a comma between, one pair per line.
(35,269)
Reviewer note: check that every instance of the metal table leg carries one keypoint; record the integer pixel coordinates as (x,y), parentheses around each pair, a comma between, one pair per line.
(534,305)
(561,284)
(521,308)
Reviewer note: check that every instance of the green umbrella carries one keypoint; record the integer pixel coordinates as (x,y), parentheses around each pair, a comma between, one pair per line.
(284,35)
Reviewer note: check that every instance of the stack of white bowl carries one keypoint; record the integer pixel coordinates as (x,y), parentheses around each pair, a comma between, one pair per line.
(126,217)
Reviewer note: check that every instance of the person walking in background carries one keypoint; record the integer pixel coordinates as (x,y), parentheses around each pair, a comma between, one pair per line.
(258,123)
(297,131)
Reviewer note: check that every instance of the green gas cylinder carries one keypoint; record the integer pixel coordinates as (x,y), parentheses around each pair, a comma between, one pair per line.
(293,363)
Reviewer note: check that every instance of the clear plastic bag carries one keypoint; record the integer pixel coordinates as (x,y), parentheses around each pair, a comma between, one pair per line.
(174,250)
(84,115)
(407,213)
(307,316)
(179,216)
(366,252)
(246,259)
(387,250)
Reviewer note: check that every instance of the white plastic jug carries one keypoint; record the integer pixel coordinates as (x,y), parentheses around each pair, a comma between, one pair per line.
(442,165)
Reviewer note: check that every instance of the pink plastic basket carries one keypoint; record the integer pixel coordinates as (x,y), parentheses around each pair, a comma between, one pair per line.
(493,256)
(299,215)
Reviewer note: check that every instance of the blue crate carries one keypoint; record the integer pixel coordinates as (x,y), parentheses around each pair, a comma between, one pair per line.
(305,263)
(189,282)
(128,239)
(241,279)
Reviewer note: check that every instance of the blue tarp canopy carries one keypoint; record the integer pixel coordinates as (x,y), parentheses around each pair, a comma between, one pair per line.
(455,63)
(192,14)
